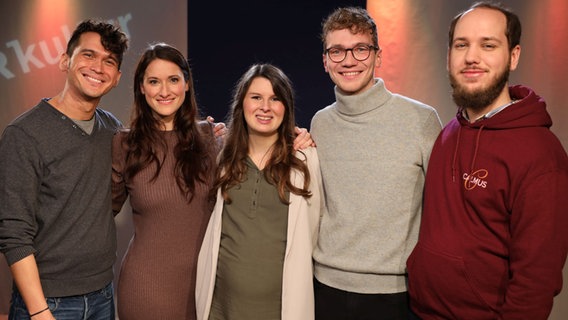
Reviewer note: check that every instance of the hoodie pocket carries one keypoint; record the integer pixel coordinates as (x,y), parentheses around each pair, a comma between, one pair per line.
(441,283)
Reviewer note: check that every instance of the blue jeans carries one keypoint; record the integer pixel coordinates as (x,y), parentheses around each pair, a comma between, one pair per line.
(97,305)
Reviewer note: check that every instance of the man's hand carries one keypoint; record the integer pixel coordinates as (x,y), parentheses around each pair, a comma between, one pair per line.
(303,139)
(219,128)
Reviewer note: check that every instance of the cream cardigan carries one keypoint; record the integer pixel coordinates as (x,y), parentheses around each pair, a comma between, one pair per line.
(303,225)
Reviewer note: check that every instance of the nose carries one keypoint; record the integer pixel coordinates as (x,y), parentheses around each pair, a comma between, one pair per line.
(472,55)
(265,105)
(97,65)
(164,90)
(349,58)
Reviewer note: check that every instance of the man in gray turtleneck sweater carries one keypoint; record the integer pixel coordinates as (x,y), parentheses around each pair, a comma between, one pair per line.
(374,148)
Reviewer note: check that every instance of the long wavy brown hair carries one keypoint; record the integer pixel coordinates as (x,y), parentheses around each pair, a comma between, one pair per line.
(232,167)
(195,150)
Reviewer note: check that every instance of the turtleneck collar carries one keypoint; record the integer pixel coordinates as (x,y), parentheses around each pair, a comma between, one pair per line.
(361,103)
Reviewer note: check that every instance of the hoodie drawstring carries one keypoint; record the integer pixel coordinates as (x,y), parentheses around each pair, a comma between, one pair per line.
(478,137)
(456,155)
(476,148)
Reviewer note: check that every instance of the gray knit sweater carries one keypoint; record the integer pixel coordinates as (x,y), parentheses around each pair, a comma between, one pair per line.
(55,199)
(373,149)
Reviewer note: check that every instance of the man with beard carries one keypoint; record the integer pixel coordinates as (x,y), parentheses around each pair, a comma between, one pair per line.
(493,238)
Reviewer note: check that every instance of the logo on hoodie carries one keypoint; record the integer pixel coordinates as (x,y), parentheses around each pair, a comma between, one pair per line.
(475,179)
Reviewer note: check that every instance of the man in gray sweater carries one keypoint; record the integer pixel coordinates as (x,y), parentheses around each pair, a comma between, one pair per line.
(373,147)
(56,224)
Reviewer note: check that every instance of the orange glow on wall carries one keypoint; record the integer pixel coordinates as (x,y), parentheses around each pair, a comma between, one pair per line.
(46,17)
(46,30)
(391,17)
(32,50)
(411,53)
(544,57)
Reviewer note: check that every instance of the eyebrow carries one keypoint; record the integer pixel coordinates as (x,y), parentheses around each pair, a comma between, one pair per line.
(483,39)
(151,76)
(86,50)
(111,56)
(354,46)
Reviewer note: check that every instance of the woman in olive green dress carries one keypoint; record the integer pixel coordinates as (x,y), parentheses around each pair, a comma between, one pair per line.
(256,258)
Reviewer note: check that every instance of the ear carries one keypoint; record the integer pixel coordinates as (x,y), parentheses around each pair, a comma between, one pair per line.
(64,62)
(515,56)
(325,63)
(448,60)
(378,58)
(117,80)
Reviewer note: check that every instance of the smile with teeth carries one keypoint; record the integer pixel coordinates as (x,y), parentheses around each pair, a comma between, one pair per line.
(265,118)
(351,73)
(93,79)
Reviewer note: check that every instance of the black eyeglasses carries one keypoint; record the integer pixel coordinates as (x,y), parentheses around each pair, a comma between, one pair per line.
(360,52)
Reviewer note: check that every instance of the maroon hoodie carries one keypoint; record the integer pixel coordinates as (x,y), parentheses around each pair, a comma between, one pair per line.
(494,232)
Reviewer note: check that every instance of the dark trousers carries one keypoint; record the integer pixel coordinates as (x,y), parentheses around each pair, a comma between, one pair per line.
(335,304)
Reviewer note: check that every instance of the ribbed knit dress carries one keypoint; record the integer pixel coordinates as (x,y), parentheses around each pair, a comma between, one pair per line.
(157,277)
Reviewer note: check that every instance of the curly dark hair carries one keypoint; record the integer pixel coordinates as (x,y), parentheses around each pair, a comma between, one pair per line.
(112,38)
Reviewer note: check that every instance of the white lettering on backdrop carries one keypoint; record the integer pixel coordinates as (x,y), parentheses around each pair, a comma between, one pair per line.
(30,55)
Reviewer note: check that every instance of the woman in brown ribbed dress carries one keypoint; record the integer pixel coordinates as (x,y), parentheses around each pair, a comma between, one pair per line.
(165,163)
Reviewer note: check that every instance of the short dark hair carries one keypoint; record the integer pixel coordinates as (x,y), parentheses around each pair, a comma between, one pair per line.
(112,38)
(513,30)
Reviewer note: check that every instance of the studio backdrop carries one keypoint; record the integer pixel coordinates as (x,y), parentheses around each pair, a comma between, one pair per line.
(224,38)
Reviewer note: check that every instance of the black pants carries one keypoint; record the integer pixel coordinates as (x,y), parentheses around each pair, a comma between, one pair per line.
(335,304)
